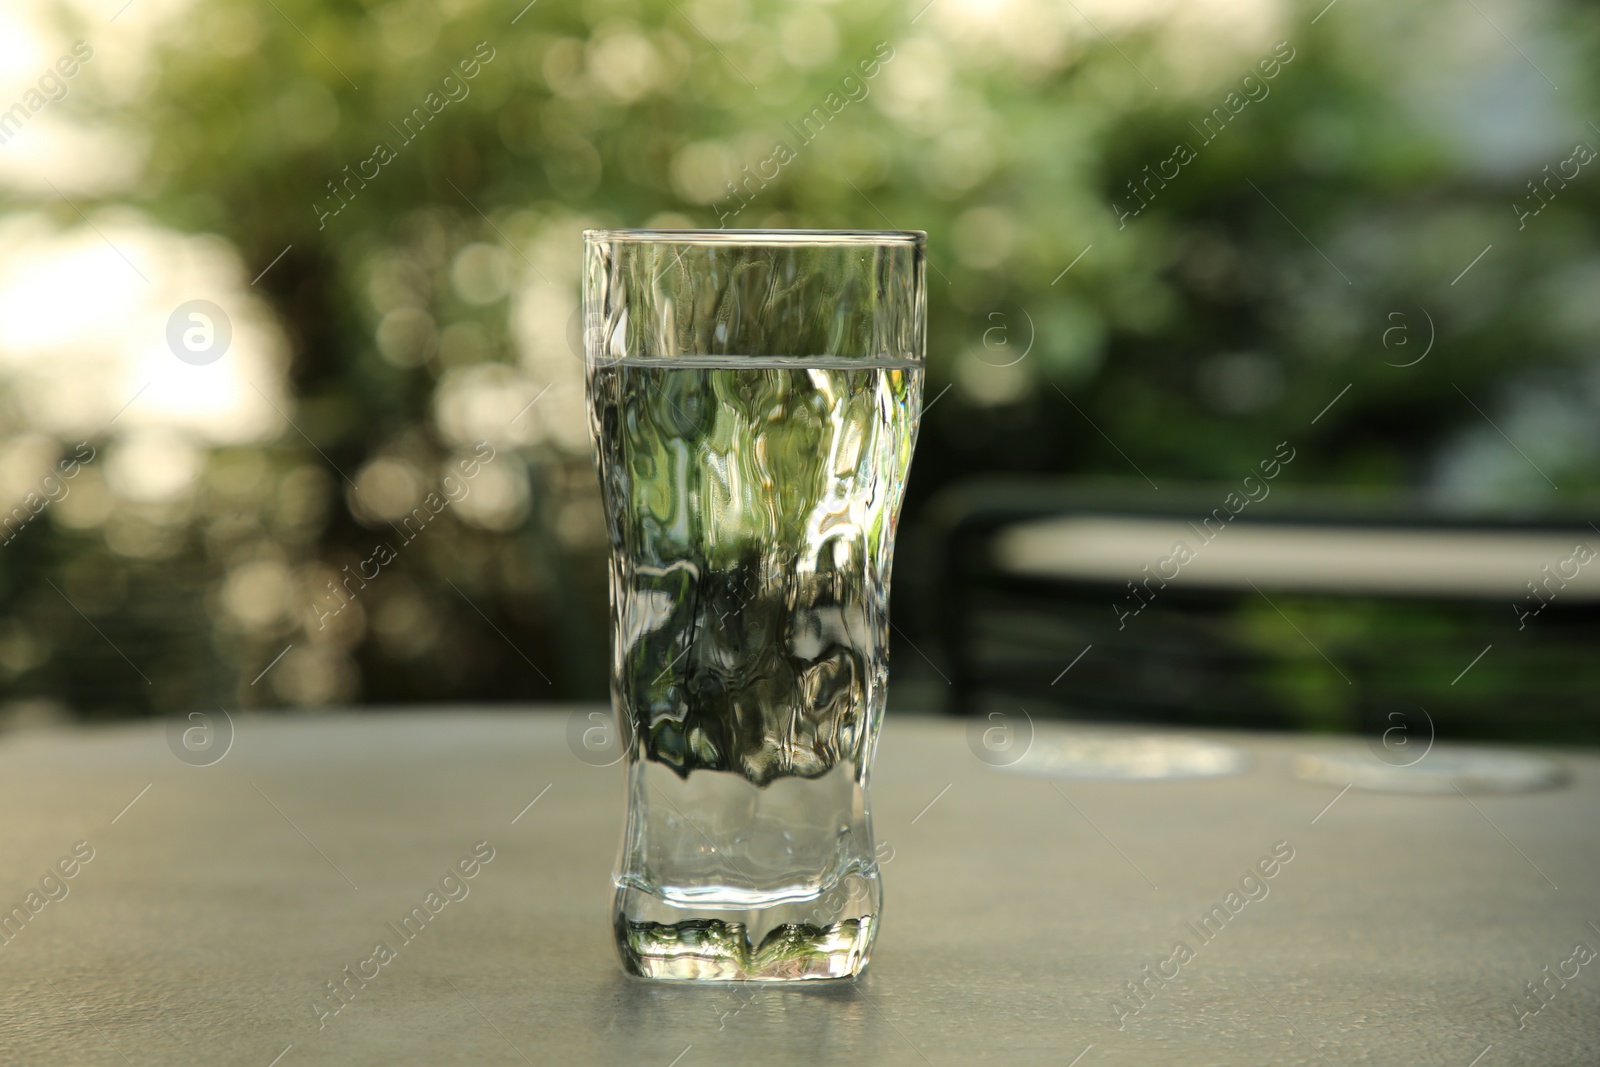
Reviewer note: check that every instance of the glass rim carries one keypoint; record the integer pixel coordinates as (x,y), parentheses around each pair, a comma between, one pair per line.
(758,237)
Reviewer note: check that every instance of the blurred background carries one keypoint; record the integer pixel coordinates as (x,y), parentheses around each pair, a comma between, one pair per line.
(270,271)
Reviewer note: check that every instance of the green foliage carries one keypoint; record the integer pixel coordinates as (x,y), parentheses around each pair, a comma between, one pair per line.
(1222,318)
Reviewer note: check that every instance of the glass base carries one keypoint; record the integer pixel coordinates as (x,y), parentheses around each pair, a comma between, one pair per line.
(826,938)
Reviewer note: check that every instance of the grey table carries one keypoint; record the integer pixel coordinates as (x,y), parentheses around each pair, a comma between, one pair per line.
(220,902)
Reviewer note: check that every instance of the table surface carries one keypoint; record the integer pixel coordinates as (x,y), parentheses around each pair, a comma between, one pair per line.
(220,903)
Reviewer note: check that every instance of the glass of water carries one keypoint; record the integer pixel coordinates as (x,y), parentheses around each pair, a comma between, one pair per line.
(753,397)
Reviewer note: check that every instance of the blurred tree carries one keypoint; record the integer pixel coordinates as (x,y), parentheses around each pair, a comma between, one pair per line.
(1124,279)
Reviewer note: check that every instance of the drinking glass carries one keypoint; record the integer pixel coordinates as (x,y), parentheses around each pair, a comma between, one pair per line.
(753,397)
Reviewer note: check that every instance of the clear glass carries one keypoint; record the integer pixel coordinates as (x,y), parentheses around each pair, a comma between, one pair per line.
(753,397)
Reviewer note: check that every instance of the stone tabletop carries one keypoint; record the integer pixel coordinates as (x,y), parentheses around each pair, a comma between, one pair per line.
(167,910)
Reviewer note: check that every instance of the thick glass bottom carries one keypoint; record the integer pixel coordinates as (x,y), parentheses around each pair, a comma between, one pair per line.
(721,879)
(829,937)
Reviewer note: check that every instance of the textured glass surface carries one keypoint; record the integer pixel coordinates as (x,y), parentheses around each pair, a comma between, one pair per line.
(754,409)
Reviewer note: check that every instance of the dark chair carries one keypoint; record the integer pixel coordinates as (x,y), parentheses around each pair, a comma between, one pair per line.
(1298,610)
